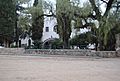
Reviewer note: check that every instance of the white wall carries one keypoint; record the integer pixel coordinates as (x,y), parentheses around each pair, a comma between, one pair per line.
(25,41)
(49,22)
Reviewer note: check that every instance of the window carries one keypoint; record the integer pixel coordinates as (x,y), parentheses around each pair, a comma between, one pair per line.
(55,28)
(47,29)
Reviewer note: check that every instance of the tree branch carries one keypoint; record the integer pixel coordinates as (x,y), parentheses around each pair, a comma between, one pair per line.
(104,1)
(109,5)
(85,25)
(96,9)
(117,6)
(47,15)
(35,3)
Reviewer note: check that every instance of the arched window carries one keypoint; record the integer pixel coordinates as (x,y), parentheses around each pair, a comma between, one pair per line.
(55,28)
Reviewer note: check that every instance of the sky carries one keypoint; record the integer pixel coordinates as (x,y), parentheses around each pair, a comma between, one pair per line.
(54,1)
(82,1)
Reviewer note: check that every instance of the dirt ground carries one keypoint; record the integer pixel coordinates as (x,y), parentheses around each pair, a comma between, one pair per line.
(54,68)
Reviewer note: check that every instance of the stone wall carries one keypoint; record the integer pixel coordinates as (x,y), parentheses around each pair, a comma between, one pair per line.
(58,52)
(118,41)
(106,54)
(71,52)
(11,51)
(118,53)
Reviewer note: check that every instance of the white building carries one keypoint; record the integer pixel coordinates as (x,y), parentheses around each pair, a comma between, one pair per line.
(48,31)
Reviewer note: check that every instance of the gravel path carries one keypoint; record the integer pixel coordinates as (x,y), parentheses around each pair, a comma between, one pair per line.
(53,68)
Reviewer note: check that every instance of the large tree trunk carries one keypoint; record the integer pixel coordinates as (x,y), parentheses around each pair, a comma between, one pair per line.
(6,43)
(64,22)
(66,31)
(111,41)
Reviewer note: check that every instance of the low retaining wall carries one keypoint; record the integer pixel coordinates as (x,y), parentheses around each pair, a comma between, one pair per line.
(72,52)
(58,52)
(106,54)
(75,52)
(11,51)
(118,53)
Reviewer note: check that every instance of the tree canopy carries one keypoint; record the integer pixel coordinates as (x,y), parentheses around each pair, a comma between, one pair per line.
(7,17)
(31,19)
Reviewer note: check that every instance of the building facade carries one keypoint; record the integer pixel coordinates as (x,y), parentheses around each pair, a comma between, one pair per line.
(48,32)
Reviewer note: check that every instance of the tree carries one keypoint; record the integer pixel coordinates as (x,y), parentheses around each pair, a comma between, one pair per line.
(7,21)
(64,17)
(103,19)
(56,44)
(102,32)
(38,22)
(18,8)
(113,26)
(82,40)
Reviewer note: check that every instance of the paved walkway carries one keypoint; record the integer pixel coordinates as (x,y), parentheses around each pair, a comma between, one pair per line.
(40,68)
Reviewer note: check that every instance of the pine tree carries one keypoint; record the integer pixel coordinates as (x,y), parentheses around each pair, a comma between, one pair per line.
(38,22)
(7,20)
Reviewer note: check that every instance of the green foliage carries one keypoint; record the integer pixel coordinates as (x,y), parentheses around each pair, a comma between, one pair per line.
(21,1)
(78,23)
(63,6)
(37,21)
(111,28)
(24,17)
(37,44)
(86,9)
(79,40)
(24,23)
(64,16)
(81,14)
(83,39)
(105,33)
(7,17)
(66,11)
(57,44)
(109,25)
(36,11)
